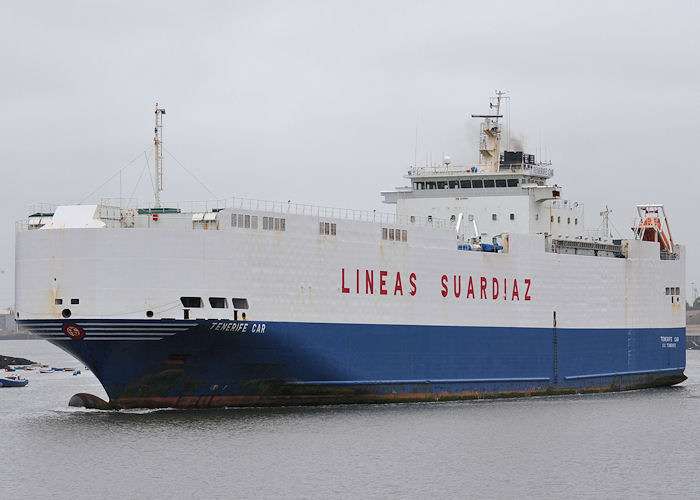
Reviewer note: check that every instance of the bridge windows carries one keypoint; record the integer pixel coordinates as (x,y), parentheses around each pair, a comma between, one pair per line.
(466,184)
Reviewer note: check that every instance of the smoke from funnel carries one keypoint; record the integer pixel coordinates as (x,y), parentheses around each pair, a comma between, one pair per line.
(516,143)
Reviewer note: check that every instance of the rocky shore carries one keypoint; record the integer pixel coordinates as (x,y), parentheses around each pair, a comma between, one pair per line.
(6,361)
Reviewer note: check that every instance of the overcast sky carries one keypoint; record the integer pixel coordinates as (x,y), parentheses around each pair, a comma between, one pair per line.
(318,102)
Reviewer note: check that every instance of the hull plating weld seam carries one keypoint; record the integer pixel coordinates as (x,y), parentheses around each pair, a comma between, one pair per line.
(417,381)
(616,374)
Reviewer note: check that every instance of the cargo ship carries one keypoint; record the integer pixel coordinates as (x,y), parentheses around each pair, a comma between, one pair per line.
(482,283)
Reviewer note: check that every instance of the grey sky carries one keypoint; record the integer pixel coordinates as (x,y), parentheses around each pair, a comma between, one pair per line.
(318,102)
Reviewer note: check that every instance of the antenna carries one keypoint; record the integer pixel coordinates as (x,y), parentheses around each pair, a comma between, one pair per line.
(606,215)
(415,146)
(158,143)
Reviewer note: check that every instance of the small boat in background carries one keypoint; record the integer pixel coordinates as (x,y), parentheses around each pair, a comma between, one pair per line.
(76,372)
(45,370)
(13,381)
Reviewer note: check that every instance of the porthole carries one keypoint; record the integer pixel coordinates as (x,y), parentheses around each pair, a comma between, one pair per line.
(66,313)
(149,314)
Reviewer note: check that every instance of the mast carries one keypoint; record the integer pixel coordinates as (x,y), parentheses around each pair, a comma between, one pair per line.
(490,135)
(158,143)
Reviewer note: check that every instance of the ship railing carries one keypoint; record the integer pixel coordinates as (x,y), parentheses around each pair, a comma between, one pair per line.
(459,170)
(116,207)
(335,212)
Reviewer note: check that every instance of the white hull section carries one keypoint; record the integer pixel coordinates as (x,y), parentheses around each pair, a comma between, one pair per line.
(299,275)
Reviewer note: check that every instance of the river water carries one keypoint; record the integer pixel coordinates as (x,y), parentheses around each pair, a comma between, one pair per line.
(639,444)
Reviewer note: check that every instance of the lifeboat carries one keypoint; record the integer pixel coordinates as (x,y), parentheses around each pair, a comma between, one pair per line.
(653,226)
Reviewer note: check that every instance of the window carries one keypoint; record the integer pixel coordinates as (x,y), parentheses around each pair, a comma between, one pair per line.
(452,218)
(274,224)
(441,184)
(568,220)
(394,234)
(191,301)
(558,220)
(327,228)
(429,185)
(244,221)
(500,183)
(494,217)
(58,302)
(668,291)
(489,183)
(537,216)
(466,184)
(551,219)
(512,182)
(477,183)
(239,303)
(218,302)
(512,216)
(454,184)
(576,222)
(75,301)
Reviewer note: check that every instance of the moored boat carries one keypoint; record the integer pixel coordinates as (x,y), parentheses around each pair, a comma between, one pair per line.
(13,381)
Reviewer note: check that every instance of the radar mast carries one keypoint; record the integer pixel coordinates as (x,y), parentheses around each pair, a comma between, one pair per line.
(490,135)
(158,143)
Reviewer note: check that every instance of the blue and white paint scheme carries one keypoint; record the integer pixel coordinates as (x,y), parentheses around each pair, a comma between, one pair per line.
(483,283)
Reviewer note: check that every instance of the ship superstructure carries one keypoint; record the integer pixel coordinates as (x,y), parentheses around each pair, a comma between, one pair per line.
(482,283)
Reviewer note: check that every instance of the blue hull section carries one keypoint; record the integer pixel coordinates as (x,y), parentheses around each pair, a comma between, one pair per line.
(226,363)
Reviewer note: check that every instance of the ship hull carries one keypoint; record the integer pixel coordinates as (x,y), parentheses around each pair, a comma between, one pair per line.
(213,363)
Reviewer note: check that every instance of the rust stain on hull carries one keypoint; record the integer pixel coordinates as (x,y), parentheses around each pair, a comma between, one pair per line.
(213,401)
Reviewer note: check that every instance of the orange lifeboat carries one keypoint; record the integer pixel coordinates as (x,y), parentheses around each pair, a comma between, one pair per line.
(653,226)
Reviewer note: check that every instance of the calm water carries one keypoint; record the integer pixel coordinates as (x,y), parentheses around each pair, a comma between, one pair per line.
(640,444)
